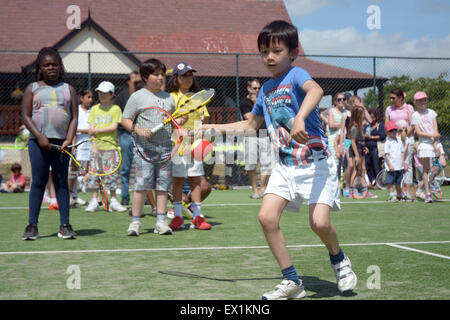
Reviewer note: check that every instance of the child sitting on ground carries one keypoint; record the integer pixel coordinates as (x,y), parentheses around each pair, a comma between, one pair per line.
(17,181)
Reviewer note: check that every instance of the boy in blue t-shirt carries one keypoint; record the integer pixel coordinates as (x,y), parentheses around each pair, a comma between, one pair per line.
(305,170)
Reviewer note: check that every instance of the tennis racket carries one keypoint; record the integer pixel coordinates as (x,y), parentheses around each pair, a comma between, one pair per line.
(191,104)
(360,188)
(381,180)
(105,159)
(103,194)
(97,167)
(156,135)
(184,209)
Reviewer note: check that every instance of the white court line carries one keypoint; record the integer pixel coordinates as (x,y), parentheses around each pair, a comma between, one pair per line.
(419,251)
(244,204)
(205,248)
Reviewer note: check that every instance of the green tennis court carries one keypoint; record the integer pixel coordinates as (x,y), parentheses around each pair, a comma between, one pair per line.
(398,250)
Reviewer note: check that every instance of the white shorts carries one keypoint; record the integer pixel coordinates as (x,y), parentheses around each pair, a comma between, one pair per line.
(426,150)
(182,168)
(315,182)
(259,148)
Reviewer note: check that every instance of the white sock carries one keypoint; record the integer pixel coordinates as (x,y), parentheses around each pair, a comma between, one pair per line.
(160,217)
(177,208)
(197,208)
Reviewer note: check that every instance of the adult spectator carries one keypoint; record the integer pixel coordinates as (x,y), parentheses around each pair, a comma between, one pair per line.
(255,145)
(377,135)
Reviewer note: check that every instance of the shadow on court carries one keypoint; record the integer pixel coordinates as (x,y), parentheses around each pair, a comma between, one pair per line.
(191,275)
(80,233)
(322,288)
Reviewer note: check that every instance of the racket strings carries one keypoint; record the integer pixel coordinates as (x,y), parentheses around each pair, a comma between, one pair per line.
(157,147)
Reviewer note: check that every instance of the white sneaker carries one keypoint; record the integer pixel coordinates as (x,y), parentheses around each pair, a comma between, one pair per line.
(92,207)
(116,206)
(420,194)
(345,277)
(134,229)
(80,201)
(162,227)
(287,289)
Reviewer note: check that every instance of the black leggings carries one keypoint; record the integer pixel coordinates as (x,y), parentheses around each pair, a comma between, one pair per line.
(41,160)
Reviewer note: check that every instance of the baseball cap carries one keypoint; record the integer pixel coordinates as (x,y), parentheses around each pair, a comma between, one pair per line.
(391,125)
(105,87)
(420,95)
(181,68)
(347,95)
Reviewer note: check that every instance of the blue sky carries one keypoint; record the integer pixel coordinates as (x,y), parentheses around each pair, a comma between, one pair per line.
(407,27)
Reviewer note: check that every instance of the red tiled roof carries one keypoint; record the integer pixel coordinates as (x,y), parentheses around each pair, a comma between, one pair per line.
(206,26)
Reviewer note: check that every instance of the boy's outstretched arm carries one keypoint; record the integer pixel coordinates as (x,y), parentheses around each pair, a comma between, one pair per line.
(313,95)
(253,123)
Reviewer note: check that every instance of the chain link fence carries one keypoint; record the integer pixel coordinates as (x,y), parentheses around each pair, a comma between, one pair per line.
(371,78)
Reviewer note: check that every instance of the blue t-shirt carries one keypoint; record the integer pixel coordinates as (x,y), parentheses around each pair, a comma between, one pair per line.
(279,102)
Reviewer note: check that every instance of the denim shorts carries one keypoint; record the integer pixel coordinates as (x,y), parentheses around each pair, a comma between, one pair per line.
(394,177)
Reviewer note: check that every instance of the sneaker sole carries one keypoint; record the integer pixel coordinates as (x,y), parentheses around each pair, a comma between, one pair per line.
(299,295)
(163,233)
(31,238)
(65,237)
(352,286)
(133,233)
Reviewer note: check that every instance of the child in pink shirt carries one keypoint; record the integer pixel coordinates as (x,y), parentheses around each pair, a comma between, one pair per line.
(17,181)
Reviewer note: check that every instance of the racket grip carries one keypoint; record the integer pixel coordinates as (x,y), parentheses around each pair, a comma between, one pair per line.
(157,128)
(54,146)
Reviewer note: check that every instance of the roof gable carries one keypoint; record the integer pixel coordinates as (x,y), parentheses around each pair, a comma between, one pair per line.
(145,25)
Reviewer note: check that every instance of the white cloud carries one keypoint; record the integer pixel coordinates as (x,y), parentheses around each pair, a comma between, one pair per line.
(297,8)
(349,41)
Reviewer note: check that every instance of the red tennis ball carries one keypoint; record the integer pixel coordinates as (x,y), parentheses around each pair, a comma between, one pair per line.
(201,150)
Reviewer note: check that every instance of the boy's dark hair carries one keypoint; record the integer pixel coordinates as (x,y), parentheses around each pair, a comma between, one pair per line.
(134,71)
(84,92)
(16,167)
(150,67)
(173,85)
(48,51)
(280,30)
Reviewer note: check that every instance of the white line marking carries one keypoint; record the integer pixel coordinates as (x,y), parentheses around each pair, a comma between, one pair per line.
(419,251)
(207,248)
(241,204)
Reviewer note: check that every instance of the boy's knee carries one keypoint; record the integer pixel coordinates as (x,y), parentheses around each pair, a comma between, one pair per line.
(320,227)
(267,220)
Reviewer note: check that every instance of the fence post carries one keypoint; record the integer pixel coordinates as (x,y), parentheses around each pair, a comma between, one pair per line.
(374,83)
(89,72)
(238,112)
(237,88)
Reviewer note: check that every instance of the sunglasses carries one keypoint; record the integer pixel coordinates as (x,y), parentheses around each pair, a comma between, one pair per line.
(341,99)
(256,88)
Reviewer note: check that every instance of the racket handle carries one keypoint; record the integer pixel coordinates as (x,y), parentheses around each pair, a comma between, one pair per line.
(54,146)
(290,123)
(157,128)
